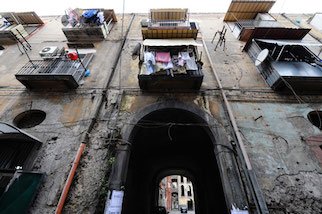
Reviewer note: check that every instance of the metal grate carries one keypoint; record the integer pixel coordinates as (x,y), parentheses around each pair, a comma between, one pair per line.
(56,67)
(165,24)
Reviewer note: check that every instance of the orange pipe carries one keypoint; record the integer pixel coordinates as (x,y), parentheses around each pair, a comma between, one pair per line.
(72,171)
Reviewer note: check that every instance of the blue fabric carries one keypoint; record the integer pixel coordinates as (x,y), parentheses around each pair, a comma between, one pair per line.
(90,13)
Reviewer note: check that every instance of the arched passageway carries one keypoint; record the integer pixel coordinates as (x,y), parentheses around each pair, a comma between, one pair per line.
(171,140)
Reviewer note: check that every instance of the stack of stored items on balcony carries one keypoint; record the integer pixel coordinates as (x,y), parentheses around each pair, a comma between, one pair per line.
(88,25)
(56,71)
(169,23)
(12,26)
(170,64)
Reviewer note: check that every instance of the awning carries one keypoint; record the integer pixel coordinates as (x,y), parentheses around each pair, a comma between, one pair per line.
(247,9)
(170,42)
(288,42)
(10,132)
(169,14)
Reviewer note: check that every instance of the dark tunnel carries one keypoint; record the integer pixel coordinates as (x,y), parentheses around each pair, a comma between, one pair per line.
(166,141)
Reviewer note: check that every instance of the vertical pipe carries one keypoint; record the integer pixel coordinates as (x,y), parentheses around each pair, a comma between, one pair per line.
(69,179)
(250,174)
(230,112)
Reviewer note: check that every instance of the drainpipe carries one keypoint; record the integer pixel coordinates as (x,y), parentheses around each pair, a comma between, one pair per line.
(71,174)
(70,179)
(250,174)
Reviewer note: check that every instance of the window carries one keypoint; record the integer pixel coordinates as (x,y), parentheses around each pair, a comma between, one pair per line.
(189,191)
(315,117)
(17,151)
(182,190)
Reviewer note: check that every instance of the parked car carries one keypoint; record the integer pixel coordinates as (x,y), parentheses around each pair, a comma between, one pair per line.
(183,209)
(160,210)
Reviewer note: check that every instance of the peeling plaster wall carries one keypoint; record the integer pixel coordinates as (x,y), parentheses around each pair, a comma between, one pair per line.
(84,192)
(287,168)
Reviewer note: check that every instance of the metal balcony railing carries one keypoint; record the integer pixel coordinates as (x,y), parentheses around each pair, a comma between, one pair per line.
(52,67)
(53,70)
(257,23)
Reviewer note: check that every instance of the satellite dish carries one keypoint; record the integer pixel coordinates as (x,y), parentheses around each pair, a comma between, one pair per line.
(64,20)
(261,57)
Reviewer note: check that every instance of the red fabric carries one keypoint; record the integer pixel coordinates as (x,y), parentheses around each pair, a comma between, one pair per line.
(72,56)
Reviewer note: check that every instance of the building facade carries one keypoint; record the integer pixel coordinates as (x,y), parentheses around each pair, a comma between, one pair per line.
(131,138)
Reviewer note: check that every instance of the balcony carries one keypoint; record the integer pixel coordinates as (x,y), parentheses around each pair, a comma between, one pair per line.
(83,29)
(290,65)
(242,29)
(57,74)
(170,75)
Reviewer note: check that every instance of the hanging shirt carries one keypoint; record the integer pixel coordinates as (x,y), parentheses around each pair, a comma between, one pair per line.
(149,61)
(162,56)
(149,56)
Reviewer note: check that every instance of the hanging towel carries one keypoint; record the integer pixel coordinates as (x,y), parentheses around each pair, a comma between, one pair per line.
(162,56)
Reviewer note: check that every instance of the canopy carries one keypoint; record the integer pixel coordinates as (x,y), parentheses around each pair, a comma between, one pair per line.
(168,14)
(247,9)
(170,42)
(288,42)
(10,132)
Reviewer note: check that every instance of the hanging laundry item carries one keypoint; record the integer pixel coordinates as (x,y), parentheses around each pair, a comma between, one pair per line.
(162,56)
(159,66)
(180,59)
(191,64)
(100,16)
(168,65)
(149,61)
(184,55)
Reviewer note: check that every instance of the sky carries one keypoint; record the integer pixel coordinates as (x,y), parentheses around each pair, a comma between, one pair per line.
(57,7)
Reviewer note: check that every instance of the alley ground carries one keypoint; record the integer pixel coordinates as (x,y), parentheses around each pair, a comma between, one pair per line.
(178,212)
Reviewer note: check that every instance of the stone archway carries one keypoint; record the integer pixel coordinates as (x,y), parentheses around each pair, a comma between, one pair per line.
(158,139)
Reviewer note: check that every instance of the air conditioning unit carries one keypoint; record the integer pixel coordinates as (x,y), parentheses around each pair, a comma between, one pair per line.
(171,25)
(48,51)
